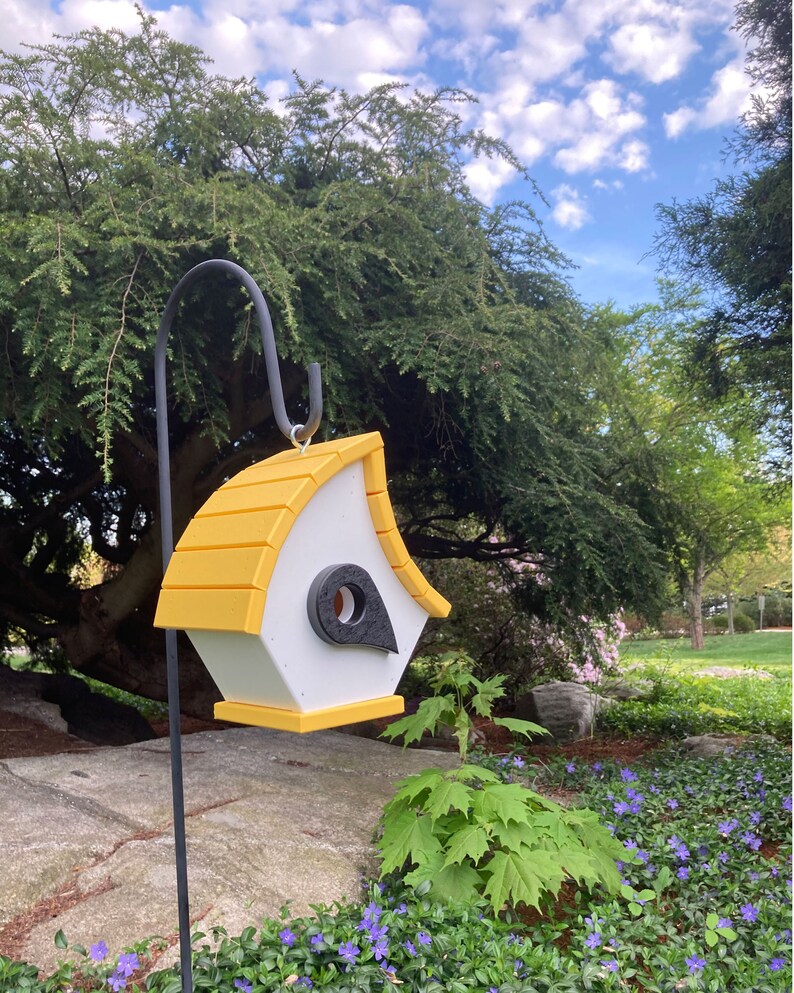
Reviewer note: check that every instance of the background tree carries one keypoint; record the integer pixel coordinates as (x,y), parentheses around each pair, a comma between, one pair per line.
(736,240)
(745,574)
(697,471)
(446,324)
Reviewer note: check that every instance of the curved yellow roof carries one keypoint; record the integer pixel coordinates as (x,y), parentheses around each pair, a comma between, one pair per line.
(218,576)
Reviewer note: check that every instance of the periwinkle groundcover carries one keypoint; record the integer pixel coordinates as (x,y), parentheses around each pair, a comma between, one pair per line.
(706,906)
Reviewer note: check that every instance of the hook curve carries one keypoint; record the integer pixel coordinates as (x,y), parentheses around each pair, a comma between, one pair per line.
(297,433)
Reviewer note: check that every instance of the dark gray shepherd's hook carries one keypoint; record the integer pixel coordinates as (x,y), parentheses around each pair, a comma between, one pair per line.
(297,433)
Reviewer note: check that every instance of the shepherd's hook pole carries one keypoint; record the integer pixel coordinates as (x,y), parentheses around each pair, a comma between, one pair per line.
(297,433)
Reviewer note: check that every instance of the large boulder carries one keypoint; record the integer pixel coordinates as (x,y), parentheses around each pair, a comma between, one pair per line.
(566,710)
(63,702)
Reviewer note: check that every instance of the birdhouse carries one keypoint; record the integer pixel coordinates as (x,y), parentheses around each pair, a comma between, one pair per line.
(295,587)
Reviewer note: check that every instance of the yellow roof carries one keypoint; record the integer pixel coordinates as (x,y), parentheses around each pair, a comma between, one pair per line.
(218,576)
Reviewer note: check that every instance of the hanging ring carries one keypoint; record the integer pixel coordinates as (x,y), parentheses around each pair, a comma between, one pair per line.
(300,445)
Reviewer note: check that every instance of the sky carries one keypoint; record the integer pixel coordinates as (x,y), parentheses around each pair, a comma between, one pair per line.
(613,106)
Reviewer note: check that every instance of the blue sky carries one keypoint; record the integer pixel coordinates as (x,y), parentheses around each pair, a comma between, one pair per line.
(613,105)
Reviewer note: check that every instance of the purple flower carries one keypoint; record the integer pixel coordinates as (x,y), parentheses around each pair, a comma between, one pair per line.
(128,963)
(381,949)
(786,803)
(401,909)
(654,790)
(627,775)
(749,913)
(777,964)
(518,762)
(571,767)
(725,827)
(243,984)
(610,965)
(695,964)
(423,939)
(723,857)
(755,818)
(593,940)
(305,982)
(621,808)
(316,940)
(98,951)
(724,922)
(411,947)
(597,767)
(287,937)
(349,952)
(682,851)
(683,872)
(117,982)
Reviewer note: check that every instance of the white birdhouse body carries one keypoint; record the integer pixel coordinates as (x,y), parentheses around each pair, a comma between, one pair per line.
(297,591)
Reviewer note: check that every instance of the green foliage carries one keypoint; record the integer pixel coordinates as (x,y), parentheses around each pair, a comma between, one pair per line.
(707,841)
(457,694)
(466,835)
(742,624)
(444,323)
(686,705)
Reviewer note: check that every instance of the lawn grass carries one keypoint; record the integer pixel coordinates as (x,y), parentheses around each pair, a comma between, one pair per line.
(769,650)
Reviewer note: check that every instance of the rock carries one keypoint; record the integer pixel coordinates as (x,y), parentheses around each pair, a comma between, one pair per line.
(21,694)
(706,746)
(93,716)
(621,689)
(65,703)
(566,710)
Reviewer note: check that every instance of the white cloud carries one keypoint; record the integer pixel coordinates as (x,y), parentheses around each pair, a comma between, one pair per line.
(570,208)
(633,156)
(654,50)
(485,177)
(728,98)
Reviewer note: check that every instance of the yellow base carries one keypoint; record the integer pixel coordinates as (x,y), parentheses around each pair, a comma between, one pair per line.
(314,720)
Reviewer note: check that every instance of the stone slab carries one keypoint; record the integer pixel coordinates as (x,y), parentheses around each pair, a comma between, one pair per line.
(271,818)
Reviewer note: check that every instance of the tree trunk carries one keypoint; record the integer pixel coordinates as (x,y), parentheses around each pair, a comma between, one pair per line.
(694,604)
(730,613)
(131,655)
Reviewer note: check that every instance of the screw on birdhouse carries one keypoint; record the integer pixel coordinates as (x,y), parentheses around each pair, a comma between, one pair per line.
(299,435)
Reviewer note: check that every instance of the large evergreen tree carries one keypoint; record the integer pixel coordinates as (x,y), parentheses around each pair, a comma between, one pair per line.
(736,240)
(447,325)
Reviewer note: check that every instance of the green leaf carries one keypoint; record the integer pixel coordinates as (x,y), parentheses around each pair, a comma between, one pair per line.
(500,802)
(470,842)
(711,939)
(726,932)
(466,772)
(711,920)
(460,883)
(488,691)
(521,877)
(462,729)
(447,796)
(60,940)
(413,786)
(432,711)
(406,837)
(527,728)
